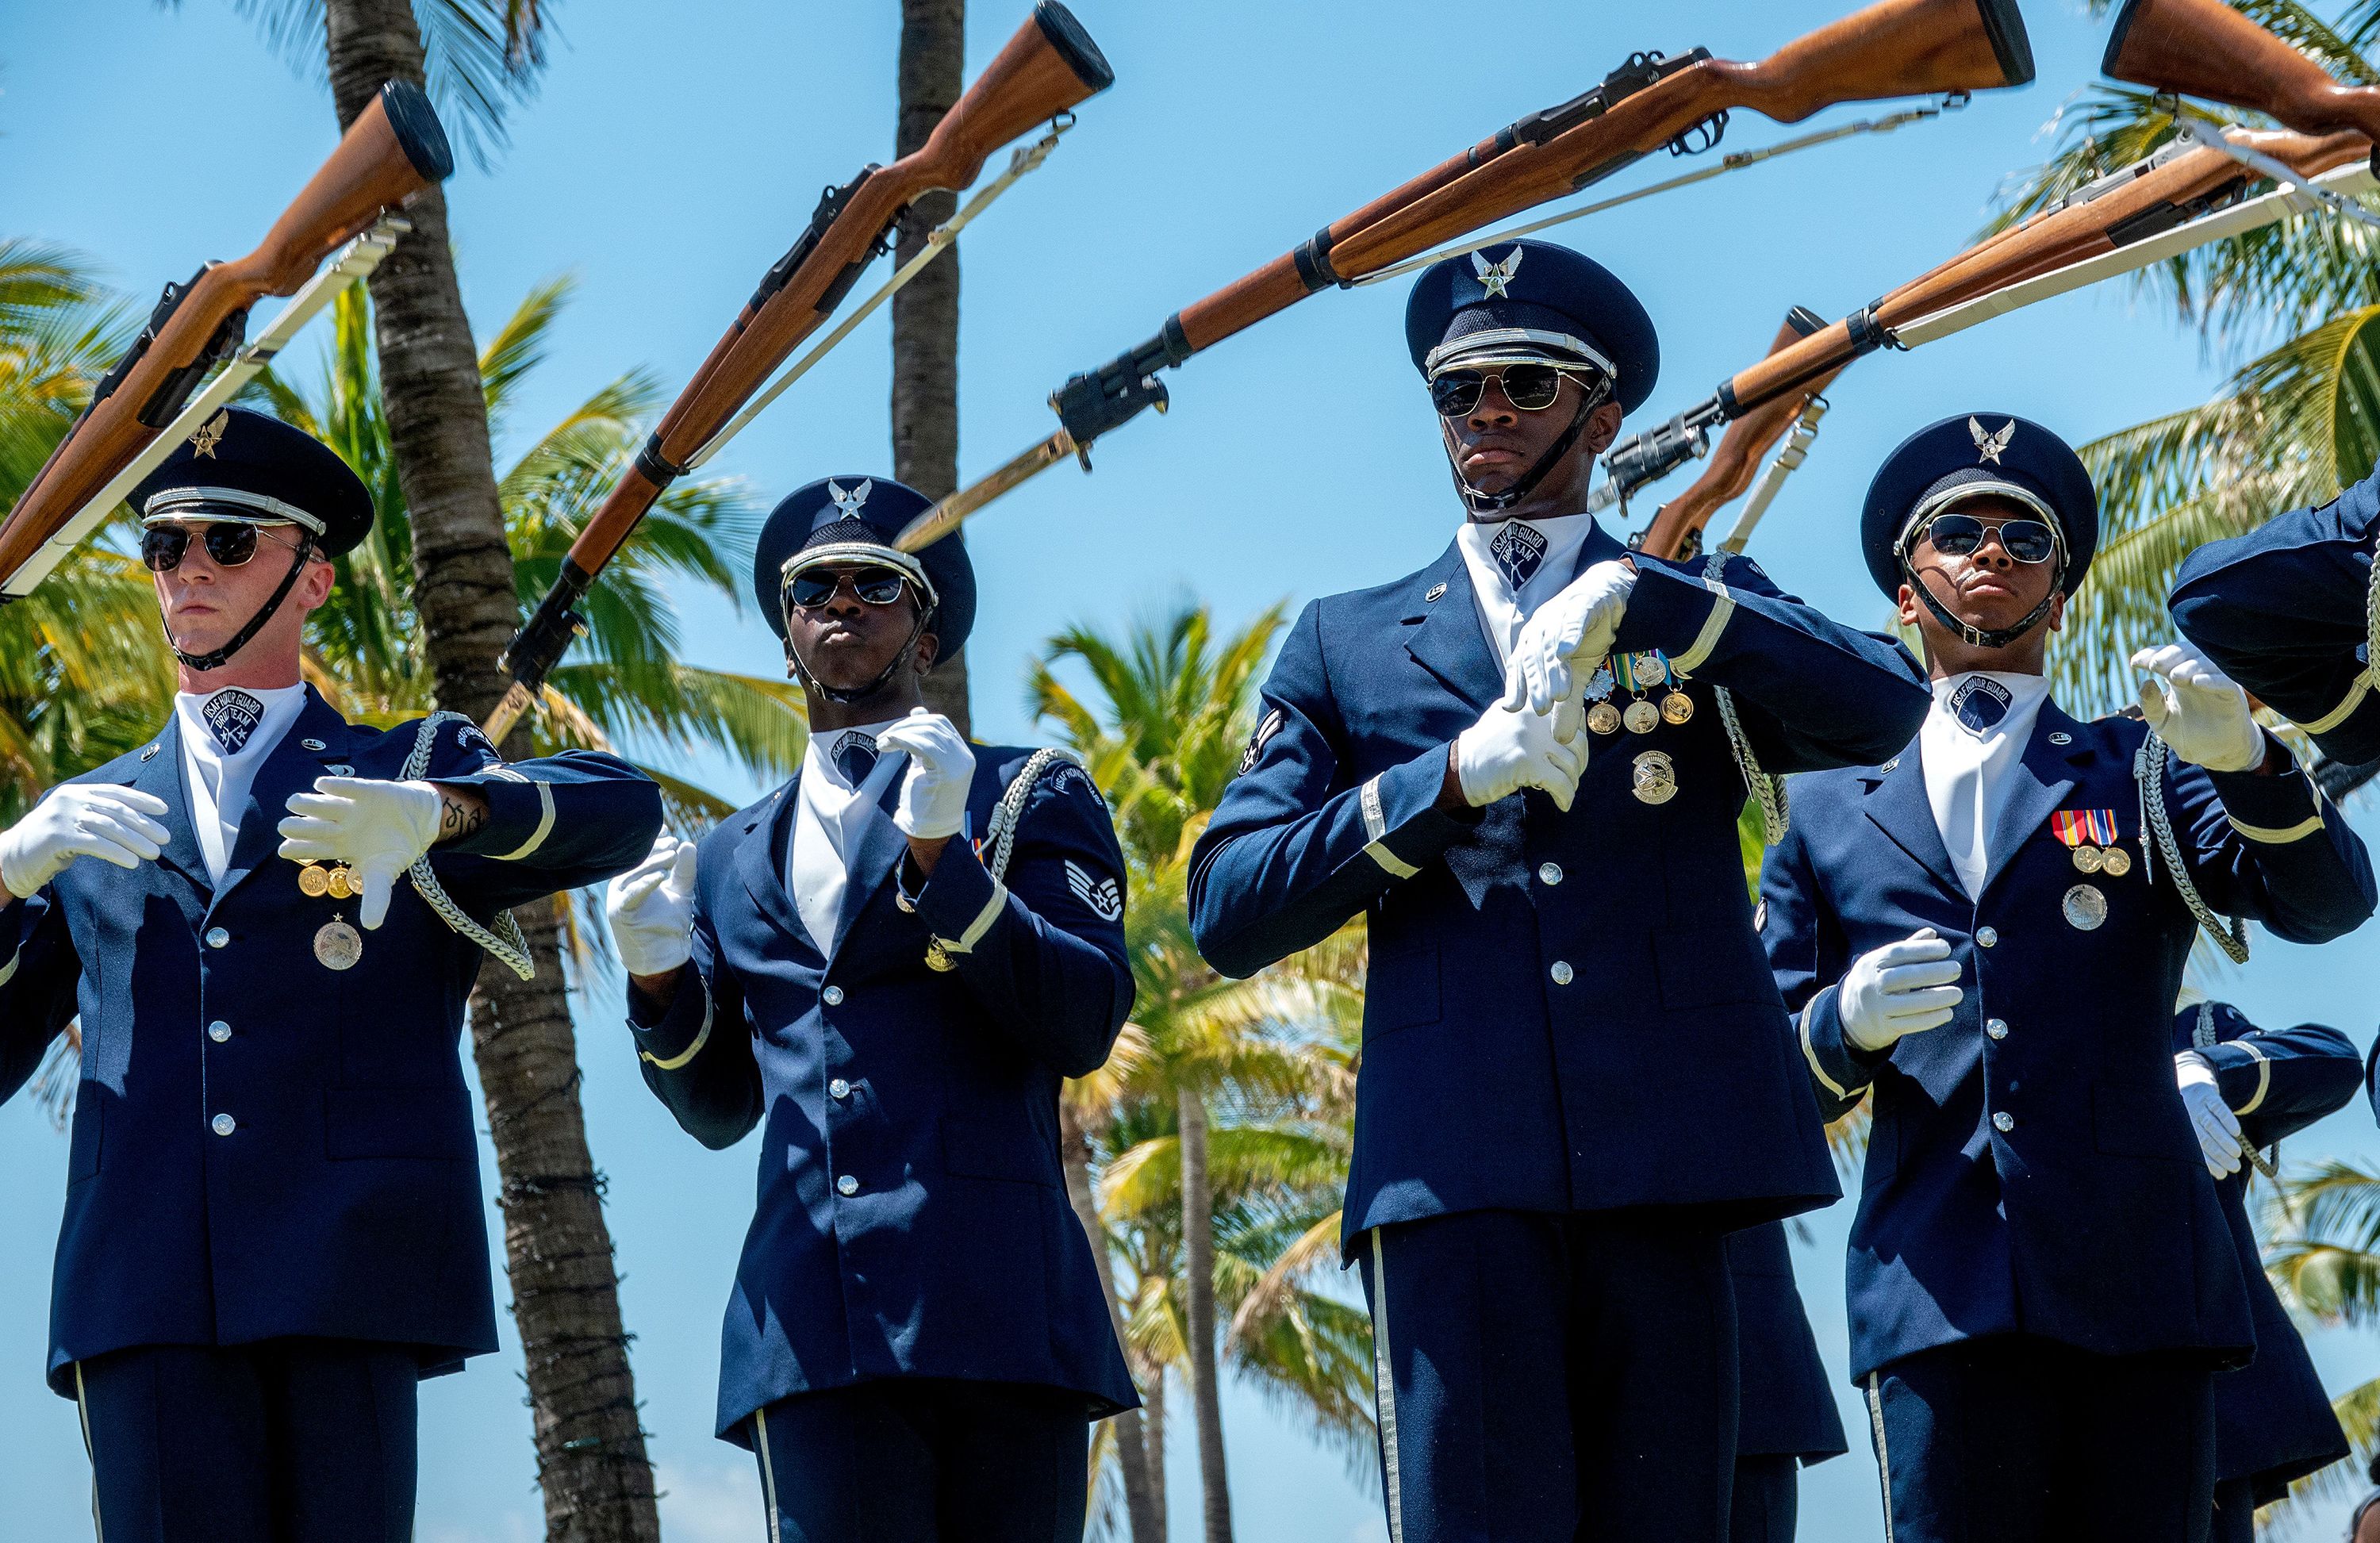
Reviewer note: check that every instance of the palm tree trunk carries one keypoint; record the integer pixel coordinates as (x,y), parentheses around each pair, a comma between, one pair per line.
(1198,1263)
(926,314)
(1132,1448)
(591,1462)
(1152,1397)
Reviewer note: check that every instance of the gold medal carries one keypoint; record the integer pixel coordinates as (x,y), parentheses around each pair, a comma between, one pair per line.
(337,946)
(1642,717)
(1677,707)
(938,959)
(2089,859)
(313,882)
(2115,862)
(1651,670)
(2085,908)
(341,884)
(1655,778)
(1603,718)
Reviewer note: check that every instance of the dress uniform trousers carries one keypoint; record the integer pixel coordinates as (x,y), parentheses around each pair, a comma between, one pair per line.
(917,1460)
(1766,1504)
(1545,1377)
(2015,1439)
(295,1441)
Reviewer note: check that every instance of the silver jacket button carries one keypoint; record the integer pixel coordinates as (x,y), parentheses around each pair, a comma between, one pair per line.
(219,1031)
(225,1125)
(832,996)
(1550,873)
(1561,972)
(217,937)
(2003,1122)
(1986,936)
(846,1186)
(1996,1029)
(838,1088)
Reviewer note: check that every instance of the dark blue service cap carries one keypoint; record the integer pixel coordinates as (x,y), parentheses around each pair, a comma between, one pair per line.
(1970,455)
(1531,299)
(244,465)
(854,519)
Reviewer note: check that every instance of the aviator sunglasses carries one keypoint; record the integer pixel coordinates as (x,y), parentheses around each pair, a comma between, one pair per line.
(814,587)
(1530,388)
(2027,541)
(228,543)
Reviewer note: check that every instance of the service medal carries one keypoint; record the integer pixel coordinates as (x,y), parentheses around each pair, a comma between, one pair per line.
(1651,670)
(1603,718)
(1642,717)
(337,946)
(2085,908)
(313,882)
(2115,862)
(938,959)
(1677,707)
(341,884)
(2089,859)
(1655,777)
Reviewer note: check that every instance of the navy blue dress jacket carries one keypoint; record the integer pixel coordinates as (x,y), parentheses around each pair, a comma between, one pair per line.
(912,1216)
(2273,1422)
(1566,1012)
(2031,1168)
(1787,1406)
(2281,609)
(345,1201)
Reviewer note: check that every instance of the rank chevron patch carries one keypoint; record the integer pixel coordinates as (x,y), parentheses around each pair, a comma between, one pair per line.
(1101,895)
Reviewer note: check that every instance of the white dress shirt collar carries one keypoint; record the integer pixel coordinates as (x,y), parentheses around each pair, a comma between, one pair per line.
(1967,769)
(830,813)
(1502,608)
(218,779)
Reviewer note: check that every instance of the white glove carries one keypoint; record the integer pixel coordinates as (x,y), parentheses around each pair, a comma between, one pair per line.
(942,769)
(1511,749)
(1574,627)
(80,819)
(1899,989)
(2198,710)
(650,908)
(2217,1129)
(379,829)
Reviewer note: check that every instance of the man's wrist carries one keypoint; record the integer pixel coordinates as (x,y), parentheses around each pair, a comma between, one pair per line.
(1450,798)
(926,851)
(461,811)
(657,991)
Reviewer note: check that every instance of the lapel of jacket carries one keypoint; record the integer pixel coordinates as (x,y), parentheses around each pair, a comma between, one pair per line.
(290,768)
(1898,806)
(872,862)
(160,774)
(761,859)
(1444,634)
(2041,782)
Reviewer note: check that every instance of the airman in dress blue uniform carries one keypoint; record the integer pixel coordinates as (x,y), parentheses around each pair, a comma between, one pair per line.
(275,1225)
(1576,1079)
(1985,935)
(2273,1422)
(1787,1420)
(889,965)
(2286,611)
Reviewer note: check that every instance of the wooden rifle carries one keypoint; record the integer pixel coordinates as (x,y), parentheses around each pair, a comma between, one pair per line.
(1050,66)
(1892,48)
(393,150)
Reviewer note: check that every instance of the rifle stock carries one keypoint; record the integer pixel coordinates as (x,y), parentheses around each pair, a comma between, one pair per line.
(1045,68)
(393,150)
(2204,48)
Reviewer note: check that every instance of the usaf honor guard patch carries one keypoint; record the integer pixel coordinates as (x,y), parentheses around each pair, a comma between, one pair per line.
(1519,551)
(1101,895)
(232,715)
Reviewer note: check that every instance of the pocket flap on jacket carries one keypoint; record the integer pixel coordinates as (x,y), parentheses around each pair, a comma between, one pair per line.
(1400,990)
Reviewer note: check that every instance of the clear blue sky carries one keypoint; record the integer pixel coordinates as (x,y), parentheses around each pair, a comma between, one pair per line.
(677,151)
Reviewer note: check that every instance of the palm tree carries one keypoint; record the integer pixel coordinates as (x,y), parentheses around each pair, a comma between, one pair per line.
(926,313)
(1235,1096)
(2322,1252)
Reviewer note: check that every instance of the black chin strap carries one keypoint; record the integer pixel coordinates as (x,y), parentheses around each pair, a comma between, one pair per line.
(240,639)
(1497,502)
(1976,637)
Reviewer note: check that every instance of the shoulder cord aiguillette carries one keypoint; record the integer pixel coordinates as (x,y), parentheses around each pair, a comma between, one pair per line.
(1000,831)
(511,950)
(1768,791)
(2231,934)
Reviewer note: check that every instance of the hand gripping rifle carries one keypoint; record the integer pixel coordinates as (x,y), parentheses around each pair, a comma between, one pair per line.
(2137,205)
(1892,48)
(1047,67)
(394,149)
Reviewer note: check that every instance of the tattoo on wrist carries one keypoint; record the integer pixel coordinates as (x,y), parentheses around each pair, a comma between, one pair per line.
(458,819)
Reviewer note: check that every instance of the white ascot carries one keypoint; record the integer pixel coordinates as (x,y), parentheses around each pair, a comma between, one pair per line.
(1516,566)
(227,734)
(830,811)
(1968,762)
